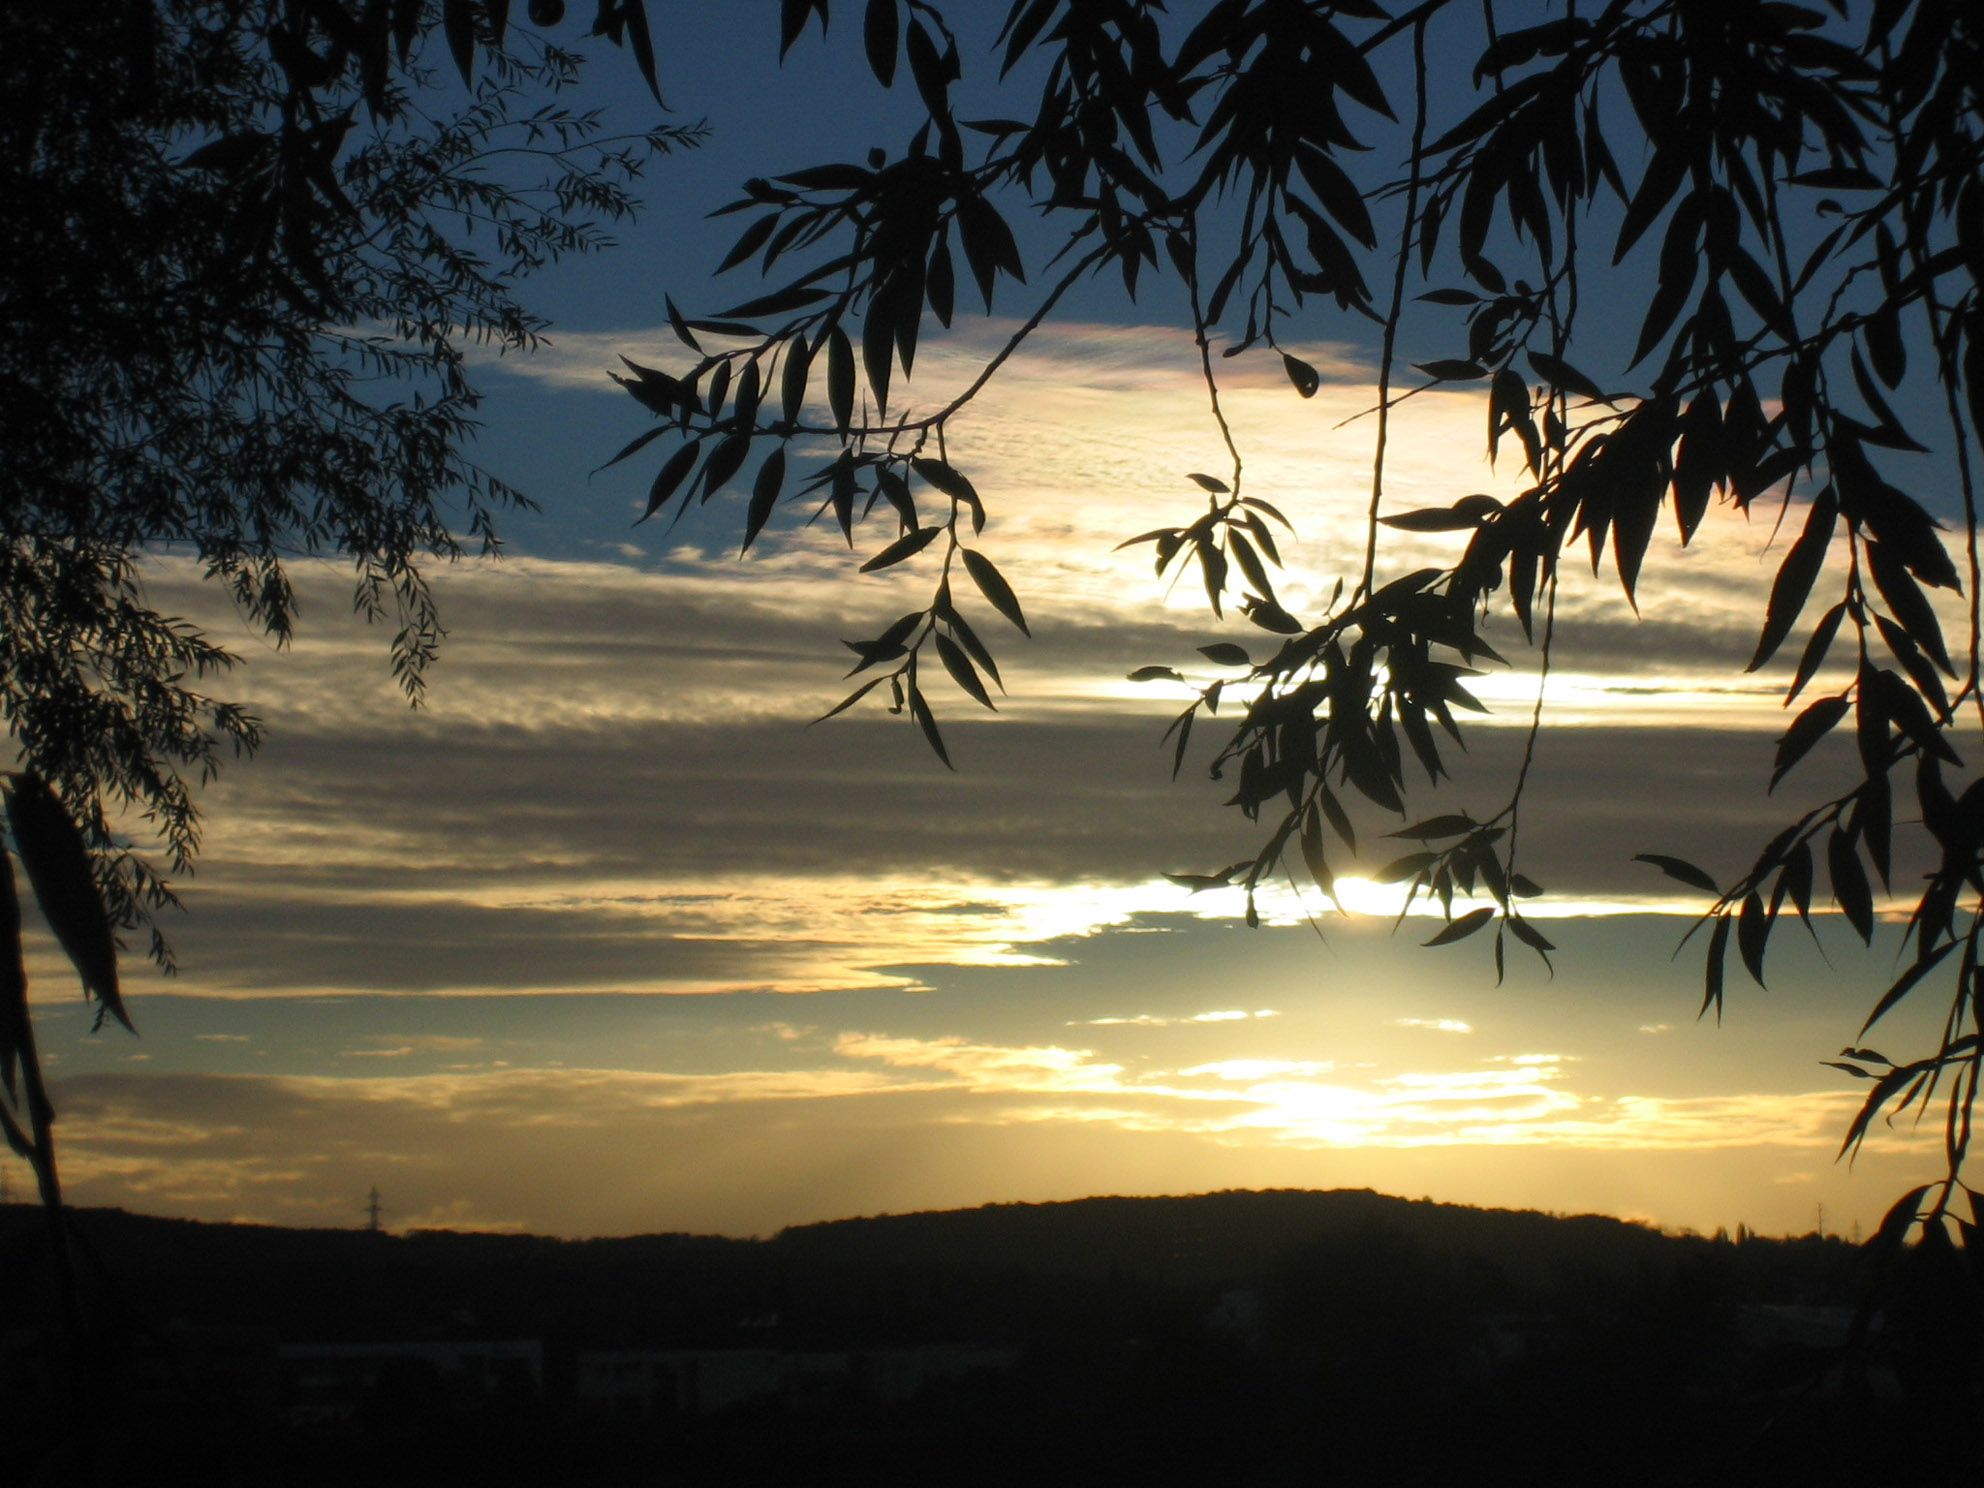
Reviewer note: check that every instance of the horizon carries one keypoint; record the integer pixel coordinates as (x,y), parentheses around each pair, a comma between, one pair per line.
(1734,1234)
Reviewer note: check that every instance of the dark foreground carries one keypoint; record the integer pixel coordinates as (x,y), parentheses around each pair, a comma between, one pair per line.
(1234,1338)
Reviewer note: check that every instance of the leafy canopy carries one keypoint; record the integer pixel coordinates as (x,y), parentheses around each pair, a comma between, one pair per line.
(1788,202)
(250,245)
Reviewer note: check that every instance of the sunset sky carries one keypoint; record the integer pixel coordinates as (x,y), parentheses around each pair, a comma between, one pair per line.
(605,939)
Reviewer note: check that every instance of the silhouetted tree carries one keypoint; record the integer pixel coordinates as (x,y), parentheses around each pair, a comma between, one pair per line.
(248,244)
(1794,195)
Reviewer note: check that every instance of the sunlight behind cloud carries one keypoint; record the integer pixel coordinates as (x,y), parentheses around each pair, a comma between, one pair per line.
(1087,437)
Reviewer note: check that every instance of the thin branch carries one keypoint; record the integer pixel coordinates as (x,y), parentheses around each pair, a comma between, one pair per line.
(1396,311)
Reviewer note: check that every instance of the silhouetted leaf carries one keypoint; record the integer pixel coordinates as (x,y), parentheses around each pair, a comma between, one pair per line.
(1313,855)
(1337,192)
(1272,617)
(792,379)
(1225,653)
(458,23)
(1752,934)
(635,17)
(1884,345)
(1850,890)
(1909,604)
(764,496)
(1806,730)
(988,244)
(1157,674)
(879,38)
(1718,948)
(1905,983)
(1463,927)
(1452,370)
(680,326)
(744,400)
(792,22)
(1838,178)
(748,242)
(1796,575)
(878,348)
(669,478)
(637,443)
(1400,869)
(920,711)
(906,546)
(1562,374)
(58,866)
(654,390)
(1305,377)
(851,699)
(952,483)
(1020,29)
(973,646)
(775,303)
(1210,483)
(1182,725)
(895,490)
(1815,651)
(940,284)
(1681,870)
(724,462)
(928,68)
(1663,177)
(1884,1090)
(15,1028)
(1198,883)
(959,666)
(1435,827)
(1431,519)
(992,584)
(840,378)
(1530,936)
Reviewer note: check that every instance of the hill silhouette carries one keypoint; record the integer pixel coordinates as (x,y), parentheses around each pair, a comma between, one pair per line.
(704,1289)
(1237,1337)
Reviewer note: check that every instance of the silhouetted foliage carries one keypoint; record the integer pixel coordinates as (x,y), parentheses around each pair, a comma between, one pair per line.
(1786,204)
(248,246)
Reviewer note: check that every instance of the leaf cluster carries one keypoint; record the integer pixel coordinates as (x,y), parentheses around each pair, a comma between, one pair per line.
(248,255)
(1787,203)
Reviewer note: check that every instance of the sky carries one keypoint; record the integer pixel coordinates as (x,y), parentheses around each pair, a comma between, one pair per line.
(607,939)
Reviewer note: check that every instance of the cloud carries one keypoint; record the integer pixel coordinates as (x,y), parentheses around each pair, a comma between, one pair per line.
(547,822)
(1260,1069)
(1147,1020)
(396,1046)
(880,1121)
(595,726)
(1441,1025)
(988,1067)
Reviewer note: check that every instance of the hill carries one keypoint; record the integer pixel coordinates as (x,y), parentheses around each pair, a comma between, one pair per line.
(1227,1337)
(991,1272)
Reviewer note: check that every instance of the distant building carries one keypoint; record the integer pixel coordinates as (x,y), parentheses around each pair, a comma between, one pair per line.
(211,1362)
(1789,1350)
(326,1383)
(656,1384)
